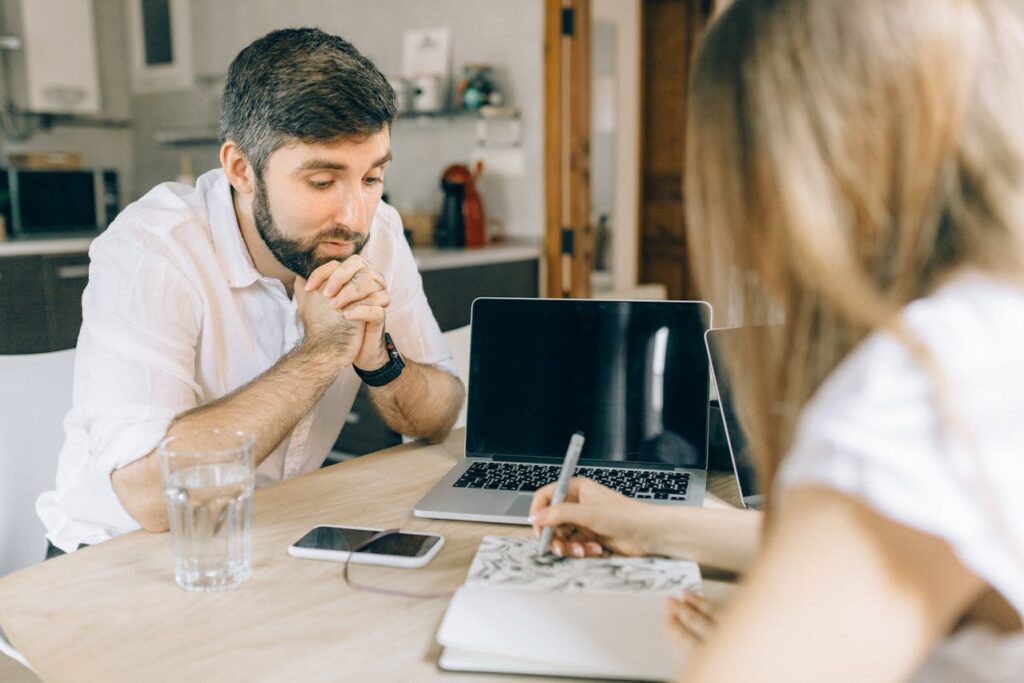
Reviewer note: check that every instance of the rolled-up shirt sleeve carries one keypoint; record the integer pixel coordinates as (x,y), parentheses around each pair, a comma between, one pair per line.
(134,372)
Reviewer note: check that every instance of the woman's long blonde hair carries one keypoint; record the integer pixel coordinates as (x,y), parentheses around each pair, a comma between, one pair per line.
(844,157)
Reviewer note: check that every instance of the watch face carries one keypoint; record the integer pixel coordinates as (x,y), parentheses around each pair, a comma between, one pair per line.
(393,353)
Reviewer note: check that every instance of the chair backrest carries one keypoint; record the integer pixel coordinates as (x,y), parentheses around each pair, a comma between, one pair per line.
(35,395)
(458,343)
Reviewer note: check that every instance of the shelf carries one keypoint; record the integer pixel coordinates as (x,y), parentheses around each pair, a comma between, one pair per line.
(440,114)
(184,137)
(489,113)
(207,135)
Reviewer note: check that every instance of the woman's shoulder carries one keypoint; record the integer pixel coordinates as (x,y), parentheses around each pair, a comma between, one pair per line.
(970,330)
(972,312)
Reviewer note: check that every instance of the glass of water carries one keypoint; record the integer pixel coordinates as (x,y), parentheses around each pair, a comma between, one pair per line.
(208,481)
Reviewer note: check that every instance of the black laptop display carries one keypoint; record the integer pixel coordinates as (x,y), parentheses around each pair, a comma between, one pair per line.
(631,375)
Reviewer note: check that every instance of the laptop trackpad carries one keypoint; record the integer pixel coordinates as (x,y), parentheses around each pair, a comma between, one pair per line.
(520,507)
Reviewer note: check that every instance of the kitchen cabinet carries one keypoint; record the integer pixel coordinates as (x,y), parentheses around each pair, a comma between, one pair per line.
(23,327)
(41,301)
(64,280)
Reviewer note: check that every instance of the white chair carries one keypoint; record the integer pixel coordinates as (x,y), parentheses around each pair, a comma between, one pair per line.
(35,395)
(458,343)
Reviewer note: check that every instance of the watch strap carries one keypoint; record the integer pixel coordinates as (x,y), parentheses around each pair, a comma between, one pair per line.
(389,371)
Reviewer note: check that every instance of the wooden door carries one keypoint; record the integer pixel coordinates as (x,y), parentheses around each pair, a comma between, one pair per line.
(669,33)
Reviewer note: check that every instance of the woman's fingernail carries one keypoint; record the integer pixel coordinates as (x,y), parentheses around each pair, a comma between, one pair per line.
(577,551)
(539,516)
(557,550)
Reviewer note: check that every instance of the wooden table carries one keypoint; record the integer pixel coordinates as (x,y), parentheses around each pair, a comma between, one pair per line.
(112,612)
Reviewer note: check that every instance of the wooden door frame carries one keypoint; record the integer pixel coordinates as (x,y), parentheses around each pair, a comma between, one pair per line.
(656,187)
(568,234)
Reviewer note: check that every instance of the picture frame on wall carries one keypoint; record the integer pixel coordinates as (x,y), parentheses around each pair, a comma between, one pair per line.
(161,45)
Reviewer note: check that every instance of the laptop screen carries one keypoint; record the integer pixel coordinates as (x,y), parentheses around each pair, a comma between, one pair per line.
(631,375)
(741,459)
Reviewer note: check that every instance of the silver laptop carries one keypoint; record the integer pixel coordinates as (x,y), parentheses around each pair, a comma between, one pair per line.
(633,376)
(742,463)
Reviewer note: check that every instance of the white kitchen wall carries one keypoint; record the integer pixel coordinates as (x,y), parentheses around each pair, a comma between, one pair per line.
(100,147)
(507,34)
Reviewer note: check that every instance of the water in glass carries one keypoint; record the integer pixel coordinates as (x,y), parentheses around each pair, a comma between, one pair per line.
(209,505)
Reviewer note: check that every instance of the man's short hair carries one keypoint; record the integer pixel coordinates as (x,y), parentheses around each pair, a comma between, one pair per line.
(302,85)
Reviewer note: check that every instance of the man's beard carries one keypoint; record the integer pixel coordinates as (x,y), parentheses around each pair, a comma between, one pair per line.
(296,255)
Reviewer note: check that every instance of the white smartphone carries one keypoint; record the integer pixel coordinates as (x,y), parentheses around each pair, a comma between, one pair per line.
(403,549)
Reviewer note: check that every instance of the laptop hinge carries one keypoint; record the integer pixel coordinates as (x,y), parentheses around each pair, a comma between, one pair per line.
(584,463)
(528,460)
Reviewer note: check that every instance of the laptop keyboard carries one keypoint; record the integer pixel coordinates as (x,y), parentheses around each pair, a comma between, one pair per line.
(511,476)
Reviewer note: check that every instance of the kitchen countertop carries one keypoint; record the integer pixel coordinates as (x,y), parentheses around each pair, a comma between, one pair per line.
(427,258)
(432,258)
(45,245)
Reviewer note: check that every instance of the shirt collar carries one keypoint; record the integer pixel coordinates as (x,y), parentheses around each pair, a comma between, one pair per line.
(232,254)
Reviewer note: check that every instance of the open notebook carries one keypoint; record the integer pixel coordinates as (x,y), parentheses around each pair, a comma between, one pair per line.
(594,618)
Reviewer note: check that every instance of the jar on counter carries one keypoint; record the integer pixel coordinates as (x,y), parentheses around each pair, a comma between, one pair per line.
(477,87)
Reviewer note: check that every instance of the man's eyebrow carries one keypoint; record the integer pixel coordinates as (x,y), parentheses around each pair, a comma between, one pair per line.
(318,164)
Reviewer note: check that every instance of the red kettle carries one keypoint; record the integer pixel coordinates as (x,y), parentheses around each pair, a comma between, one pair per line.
(472,204)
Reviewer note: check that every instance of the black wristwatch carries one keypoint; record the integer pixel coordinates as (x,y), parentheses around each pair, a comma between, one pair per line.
(390,370)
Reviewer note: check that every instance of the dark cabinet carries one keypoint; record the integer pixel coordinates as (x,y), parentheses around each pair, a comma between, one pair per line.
(23,326)
(451,291)
(41,302)
(64,280)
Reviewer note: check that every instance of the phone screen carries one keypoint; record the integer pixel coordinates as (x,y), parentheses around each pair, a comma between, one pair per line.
(346,539)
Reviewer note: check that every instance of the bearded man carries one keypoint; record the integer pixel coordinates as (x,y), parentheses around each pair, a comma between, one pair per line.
(257,300)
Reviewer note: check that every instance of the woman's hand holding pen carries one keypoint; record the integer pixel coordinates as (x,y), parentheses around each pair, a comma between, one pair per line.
(592,519)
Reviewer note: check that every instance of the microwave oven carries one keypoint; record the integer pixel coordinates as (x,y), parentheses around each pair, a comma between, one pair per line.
(37,202)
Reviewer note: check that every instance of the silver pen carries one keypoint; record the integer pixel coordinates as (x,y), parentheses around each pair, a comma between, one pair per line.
(572,456)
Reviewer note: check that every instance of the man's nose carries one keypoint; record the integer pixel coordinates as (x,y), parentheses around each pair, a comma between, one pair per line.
(350,211)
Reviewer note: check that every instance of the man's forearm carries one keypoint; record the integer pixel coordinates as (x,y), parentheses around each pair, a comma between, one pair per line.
(270,405)
(423,401)
(268,408)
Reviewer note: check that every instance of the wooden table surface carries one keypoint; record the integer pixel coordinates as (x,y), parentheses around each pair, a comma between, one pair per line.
(112,612)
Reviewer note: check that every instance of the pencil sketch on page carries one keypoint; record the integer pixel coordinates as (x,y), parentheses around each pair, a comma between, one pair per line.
(513,563)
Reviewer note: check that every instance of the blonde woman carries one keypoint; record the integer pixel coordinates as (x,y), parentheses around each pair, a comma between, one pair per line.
(858,166)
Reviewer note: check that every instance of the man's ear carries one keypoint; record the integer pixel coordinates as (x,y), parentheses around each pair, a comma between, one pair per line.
(237,168)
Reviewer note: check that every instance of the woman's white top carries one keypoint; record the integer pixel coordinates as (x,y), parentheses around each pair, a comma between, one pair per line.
(875,430)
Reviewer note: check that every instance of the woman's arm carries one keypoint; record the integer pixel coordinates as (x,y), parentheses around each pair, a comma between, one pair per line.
(838,594)
(594,518)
